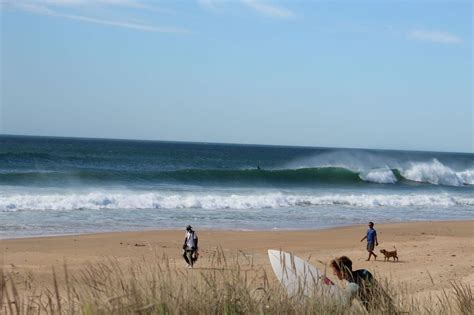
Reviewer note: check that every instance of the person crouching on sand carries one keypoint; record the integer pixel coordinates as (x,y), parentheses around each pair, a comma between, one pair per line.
(371,237)
(190,247)
(369,292)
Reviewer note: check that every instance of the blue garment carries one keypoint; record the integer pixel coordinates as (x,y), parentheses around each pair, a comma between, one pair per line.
(371,234)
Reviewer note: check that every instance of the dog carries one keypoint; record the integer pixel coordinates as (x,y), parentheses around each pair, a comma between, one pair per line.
(389,254)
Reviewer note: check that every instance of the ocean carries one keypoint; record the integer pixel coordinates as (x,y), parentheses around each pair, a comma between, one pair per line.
(59,186)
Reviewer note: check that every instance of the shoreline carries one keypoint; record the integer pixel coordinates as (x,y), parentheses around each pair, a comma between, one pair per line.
(30,237)
(432,254)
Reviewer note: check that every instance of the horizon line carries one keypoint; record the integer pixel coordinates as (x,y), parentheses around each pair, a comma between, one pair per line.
(226,143)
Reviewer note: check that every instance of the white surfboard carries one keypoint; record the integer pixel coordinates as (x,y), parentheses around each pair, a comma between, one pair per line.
(300,277)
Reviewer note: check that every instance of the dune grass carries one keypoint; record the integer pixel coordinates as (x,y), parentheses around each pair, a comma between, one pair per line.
(232,285)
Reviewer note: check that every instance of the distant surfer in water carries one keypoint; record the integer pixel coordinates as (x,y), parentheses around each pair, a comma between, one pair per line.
(370,293)
(372,241)
(190,247)
(258,168)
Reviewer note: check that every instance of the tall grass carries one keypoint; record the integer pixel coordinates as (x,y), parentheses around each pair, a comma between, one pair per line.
(231,285)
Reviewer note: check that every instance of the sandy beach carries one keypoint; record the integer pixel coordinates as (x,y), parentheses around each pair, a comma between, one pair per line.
(432,254)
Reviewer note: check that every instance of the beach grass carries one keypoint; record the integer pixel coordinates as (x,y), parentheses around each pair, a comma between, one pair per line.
(231,285)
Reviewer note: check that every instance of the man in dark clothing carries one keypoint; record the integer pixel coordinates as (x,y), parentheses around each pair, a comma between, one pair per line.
(190,247)
(370,293)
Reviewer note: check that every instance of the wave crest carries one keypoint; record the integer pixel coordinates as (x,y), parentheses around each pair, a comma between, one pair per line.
(435,173)
(467,177)
(132,200)
(381,176)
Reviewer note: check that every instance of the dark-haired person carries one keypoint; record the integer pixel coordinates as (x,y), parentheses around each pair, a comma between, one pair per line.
(370,293)
(190,247)
(372,241)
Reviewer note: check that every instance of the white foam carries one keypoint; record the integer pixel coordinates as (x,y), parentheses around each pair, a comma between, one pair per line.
(381,176)
(159,200)
(466,176)
(433,172)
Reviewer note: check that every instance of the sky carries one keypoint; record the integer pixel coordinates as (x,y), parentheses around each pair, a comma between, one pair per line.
(357,74)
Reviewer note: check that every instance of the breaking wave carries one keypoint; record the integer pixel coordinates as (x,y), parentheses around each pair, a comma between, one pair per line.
(381,176)
(148,200)
(433,172)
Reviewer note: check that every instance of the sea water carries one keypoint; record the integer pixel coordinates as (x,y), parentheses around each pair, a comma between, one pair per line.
(56,186)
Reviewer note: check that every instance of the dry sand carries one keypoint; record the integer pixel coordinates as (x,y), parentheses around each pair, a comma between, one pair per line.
(431,253)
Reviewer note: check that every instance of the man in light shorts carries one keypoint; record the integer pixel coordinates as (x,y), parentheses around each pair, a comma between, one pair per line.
(371,237)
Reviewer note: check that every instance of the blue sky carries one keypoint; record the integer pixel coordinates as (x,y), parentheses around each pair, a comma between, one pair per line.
(372,74)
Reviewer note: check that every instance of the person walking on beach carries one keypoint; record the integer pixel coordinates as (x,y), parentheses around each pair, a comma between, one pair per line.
(372,296)
(372,241)
(190,247)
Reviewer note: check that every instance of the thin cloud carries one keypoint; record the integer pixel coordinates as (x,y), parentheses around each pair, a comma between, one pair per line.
(269,9)
(208,4)
(31,7)
(140,27)
(75,3)
(41,7)
(122,3)
(133,4)
(435,37)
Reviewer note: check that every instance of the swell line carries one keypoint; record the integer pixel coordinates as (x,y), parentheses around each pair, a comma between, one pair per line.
(302,176)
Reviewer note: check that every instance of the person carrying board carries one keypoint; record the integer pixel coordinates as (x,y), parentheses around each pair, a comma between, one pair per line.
(372,296)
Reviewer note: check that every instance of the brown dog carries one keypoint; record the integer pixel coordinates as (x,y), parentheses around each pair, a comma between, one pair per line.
(389,254)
